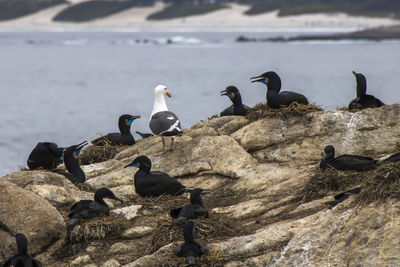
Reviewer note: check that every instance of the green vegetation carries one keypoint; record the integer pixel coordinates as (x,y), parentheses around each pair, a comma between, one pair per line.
(91,10)
(179,11)
(86,11)
(18,8)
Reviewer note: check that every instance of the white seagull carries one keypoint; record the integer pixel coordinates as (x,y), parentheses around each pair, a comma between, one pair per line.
(162,121)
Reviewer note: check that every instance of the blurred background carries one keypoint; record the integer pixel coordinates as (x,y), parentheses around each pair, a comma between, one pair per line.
(69,69)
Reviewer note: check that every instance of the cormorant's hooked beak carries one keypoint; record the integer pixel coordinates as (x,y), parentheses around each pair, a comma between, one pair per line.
(79,147)
(168,94)
(230,95)
(132,165)
(354,73)
(258,79)
(133,118)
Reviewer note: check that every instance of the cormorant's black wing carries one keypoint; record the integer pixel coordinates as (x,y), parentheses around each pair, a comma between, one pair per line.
(288,97)
(228,111)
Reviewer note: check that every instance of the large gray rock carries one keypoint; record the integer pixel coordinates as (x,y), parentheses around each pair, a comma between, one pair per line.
(256,172)
(304,138)
(53,187)
(24,212)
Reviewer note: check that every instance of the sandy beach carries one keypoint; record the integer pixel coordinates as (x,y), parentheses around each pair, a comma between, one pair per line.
(230,18)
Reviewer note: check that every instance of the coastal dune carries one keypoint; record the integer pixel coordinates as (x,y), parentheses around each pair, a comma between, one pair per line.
(232,17)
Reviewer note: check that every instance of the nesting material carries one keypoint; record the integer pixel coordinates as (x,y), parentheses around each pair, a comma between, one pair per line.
(206,229)
(378,185)
(94,154)
(98,228)
(215,259)
(260,111)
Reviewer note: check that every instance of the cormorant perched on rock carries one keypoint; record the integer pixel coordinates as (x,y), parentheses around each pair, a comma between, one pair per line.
(237,108)
(86,209)
(192,211)
(45,155)
(124,137)
(346,162)
(71,161)
(363,100)
(342,196)
(144,135)
(153,184)
(162,121)
(275,98)
(190,249)
(22,258)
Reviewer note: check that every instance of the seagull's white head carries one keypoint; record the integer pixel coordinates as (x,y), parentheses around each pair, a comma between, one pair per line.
(162,90)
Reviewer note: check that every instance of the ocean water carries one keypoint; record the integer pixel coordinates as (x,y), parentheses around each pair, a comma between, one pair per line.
(65,87)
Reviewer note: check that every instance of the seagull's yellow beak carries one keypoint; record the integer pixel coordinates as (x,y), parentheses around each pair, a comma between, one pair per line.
(168,94)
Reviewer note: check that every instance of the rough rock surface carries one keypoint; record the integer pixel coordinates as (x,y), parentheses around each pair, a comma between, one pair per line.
(24,212)
(256,172)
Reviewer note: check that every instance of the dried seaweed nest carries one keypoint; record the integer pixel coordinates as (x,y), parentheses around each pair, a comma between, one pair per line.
(167,232)
(161,204)
(98,228)
(214,259)
(94,154)
(260,111)
(378,185)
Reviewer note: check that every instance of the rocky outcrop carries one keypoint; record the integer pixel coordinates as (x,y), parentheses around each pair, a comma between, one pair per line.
(256,172)
(24,212)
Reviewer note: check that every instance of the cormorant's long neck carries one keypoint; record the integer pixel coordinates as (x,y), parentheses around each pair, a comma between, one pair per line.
(159,104)
(237,101)
(196,199)
(274,84)
(73,166)
(124,128)
(361,88)
(79,174)
(188,235)
(100,200)
(22,243)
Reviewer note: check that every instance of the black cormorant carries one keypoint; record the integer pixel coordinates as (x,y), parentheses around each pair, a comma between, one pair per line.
(144,135)
(275,98)
(71,161)
(153,184)
(363,100)
(190,249)
(237,108)
(346,162)
(22,258)
(86,209)
(192,211)
(124,137)
(45,155)
(342,196)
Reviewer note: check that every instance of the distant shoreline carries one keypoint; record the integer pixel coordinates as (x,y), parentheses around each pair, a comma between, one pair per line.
(227,18)
(373,34)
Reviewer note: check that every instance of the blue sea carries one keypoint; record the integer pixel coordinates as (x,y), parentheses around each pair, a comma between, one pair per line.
(66,86)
